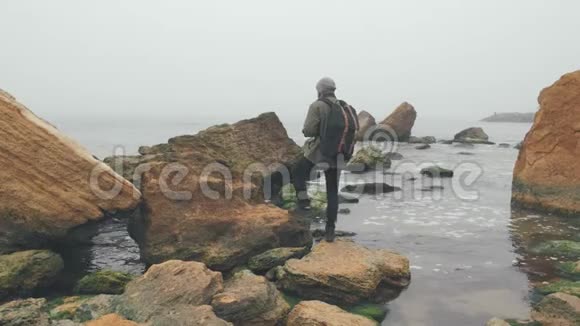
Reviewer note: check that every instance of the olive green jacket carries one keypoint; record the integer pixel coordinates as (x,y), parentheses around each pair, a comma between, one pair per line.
(318,112)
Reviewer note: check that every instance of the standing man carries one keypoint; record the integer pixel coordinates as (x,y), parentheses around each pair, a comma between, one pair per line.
(331,126)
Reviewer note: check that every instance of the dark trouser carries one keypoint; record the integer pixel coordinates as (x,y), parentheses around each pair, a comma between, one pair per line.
(302,173)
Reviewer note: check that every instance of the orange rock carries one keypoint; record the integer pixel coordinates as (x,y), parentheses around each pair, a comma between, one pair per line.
(400,122)
(219,218)
(111,320)
(547,173)
(318,313)
(46,180)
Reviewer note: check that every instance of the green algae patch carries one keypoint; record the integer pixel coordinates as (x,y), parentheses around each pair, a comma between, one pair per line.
(568,287)
(103,282)
(565,248)
(371,311)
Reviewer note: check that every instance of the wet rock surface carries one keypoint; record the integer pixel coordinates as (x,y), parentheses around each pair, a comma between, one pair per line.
(397,126)
(474,135)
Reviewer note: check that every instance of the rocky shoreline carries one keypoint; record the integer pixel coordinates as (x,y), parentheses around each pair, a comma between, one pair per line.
(219,251)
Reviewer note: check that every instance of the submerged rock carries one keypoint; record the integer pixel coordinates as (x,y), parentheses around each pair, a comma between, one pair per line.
(568,287)
(50,184)
(210,208)
(275,257)
(437,172)
(370,188)
(318,313)
(394,156)
(166,285)
(565,248)
(423,147)
(397,126)
(571,270)
(367,159)
(346,273)
(466,153)
(103,282)
(29,312)
(558,309)
(248,299)
(473,135)
(504,145)
(546,174)
(23,272)
(366,122)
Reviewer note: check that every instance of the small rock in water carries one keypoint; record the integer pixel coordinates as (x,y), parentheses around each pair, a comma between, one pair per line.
(319,234)
(423,147)
(437,172)
(370,188)
(466,153)
(344,211)
(504,145)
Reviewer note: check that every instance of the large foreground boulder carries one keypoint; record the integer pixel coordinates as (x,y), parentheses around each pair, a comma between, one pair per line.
(204,195)
(397,126)
(366,122)
(23,272)
(250,300)
(344,272)
(167,285)
(547,173)
(50,184)
(318,313)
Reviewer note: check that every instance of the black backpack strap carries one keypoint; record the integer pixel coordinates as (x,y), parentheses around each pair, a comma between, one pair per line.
(326,101)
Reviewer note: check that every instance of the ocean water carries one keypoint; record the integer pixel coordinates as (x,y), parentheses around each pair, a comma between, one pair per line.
(464,241)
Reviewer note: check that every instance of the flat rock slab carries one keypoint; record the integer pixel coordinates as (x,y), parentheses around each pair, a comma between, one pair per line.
(344,272)
(318,313)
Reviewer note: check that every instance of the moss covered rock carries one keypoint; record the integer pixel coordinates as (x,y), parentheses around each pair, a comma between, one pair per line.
(369,158)
(23,272)
(103,282)
(318,200)
(565,248)
(320,313)
(275,257)
(568,287)
(28,312)
(570,270)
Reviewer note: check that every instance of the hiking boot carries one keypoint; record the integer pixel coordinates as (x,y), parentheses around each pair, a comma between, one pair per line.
(329,235)
(304,204)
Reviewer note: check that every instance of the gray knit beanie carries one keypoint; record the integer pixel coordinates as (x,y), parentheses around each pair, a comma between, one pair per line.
(325,85)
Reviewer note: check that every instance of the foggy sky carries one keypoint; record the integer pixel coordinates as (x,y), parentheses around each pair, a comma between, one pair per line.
(239,58)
